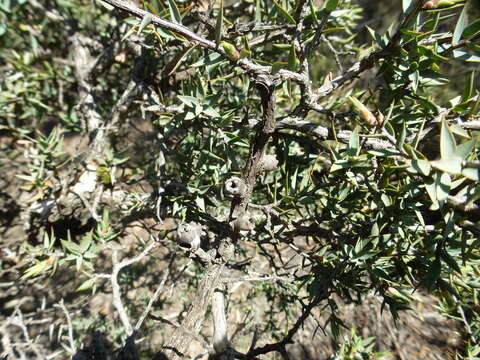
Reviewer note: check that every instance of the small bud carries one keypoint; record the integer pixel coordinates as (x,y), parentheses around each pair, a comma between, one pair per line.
(245,54)
(434,4)
(430,5)
(235,186)
(380,117)
(244,222)
(230,50)
(269,163)
(365,114)
(189,234)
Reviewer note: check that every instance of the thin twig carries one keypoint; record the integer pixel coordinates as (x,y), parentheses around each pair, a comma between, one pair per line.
(153,299)
(116,293)
(62,306)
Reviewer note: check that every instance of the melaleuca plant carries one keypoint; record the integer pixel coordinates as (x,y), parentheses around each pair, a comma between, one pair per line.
(262,165)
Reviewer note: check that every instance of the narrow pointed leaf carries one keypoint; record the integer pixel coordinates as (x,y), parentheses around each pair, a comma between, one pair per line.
(284,12)
(147,19)
(433,274)
(443,184)
(461,25)
(86,285)
(422,166)
(331,5)
(293,61)
(174,13)
(406,5)
(463,150)
(468,91)
(219,24)
(452,165)
(472,29)
(353,143)
(472,174)
(450,261)
(258,11)
(448,146)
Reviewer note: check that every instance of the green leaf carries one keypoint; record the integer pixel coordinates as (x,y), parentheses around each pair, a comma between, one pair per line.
(474,284)
(433,274)
(472,174)
(353,143)
(177,60)
(211,112)
(86,285)
(106,5)
(402,136)
(313,13)
(422,166)
(147,19)
(71,246)
(463,150)
(450,261)
(200,203)
(390,130)
(406,5)
(35,270)
(174,13)
(443,184)
(331,5)
(339,165)
(219,24)
(284,12)
(458,130)
(86,241)
(465,56)
(448,146)
(460,27)
(190,101)
(472,29)
(258,11)
(452,165)
(468,91)
(376,36)
(293,62)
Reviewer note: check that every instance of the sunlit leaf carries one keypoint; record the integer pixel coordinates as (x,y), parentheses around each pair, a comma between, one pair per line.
(331,5)
(146,20)
(443,183)
(353,143)
(472,29)
(422,166)
(285,13)
(219,24)
(460,26)
(472,174)
(174,13)
(453,165)
(448,145)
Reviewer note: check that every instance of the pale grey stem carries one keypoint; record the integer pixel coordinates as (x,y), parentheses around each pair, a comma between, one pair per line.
(220,334)
(117,296)
(62,306)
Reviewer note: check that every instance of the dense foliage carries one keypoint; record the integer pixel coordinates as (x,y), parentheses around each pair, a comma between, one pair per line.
(173,156)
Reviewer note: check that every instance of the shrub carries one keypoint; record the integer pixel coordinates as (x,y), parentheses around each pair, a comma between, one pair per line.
(198,159)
